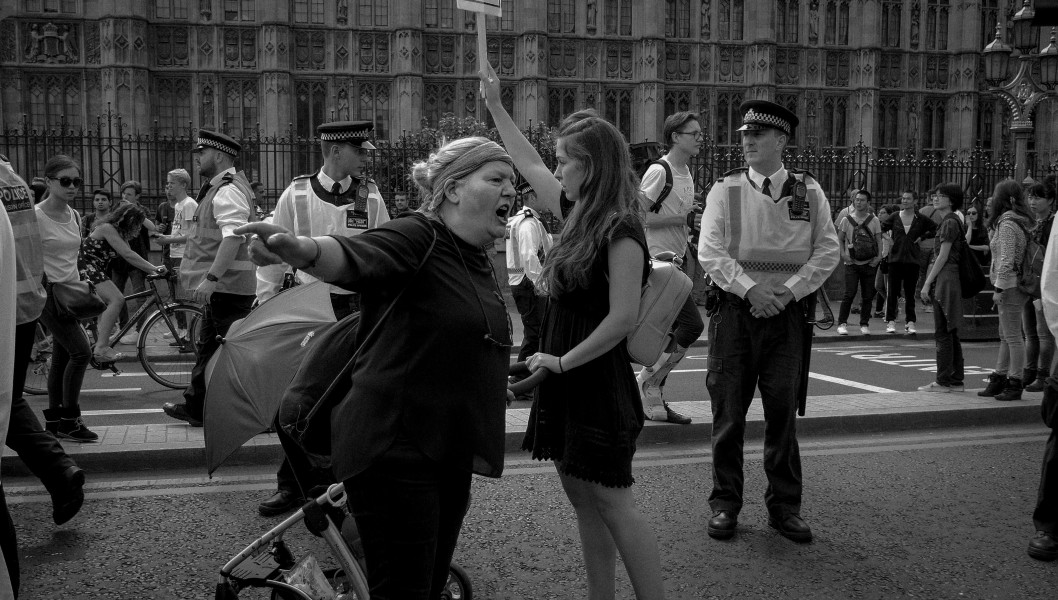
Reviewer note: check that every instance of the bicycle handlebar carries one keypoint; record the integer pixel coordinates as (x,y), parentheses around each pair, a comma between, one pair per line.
(153,276)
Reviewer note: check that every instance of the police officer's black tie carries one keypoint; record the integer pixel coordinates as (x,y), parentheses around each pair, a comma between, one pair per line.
(766,188)
(202,193)
(336,189)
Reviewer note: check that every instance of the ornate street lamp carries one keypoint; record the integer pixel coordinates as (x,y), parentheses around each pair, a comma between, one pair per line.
(1023,92)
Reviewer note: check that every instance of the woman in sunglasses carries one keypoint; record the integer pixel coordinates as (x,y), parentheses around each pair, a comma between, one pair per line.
(60,235)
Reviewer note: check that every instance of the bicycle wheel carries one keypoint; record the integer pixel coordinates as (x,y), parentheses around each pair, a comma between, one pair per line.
(39,364)
(167,344)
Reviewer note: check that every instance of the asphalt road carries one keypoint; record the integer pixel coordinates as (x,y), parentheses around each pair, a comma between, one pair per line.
(937,514)
(885,364)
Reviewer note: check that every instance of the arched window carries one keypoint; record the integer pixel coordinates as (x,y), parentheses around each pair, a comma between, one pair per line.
(891,10)
(837,23)
(730,19)
(437,14)
(787,21)
(678,18)
(937,25)
(374,106)
(561,16)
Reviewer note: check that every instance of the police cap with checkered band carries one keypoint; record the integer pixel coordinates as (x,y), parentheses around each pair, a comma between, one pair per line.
(356,133)
(761,114)
(219,141)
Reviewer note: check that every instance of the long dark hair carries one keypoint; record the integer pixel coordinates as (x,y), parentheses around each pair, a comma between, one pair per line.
(1009,196)
(126,218)
(608,195)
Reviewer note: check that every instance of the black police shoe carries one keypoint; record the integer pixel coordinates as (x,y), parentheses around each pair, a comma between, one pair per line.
(722,526)
(792,527)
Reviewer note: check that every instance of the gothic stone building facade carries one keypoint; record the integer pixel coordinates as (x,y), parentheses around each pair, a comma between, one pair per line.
(894,74)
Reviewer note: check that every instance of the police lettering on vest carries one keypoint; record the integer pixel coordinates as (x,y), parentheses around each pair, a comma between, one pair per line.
(29,258)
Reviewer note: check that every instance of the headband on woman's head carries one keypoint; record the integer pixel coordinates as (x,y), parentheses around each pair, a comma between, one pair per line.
(463,165)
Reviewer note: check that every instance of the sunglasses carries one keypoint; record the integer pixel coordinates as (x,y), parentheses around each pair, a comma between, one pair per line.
(971,212)
(67,181)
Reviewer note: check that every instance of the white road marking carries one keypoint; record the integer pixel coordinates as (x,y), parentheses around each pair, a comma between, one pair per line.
(126,411)
(164,374)
(111,390)
(850,383)
(821,377)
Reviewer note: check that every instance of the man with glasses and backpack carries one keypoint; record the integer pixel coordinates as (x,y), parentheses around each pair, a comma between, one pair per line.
(668,201)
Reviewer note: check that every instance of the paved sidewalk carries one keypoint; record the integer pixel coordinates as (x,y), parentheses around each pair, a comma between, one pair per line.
(144,447)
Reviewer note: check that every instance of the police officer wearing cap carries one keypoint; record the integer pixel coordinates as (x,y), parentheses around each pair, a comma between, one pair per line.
(336,200)
(216,269)
(527,243)
(768,242)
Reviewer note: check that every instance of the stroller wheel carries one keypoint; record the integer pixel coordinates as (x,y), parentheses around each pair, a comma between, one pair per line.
(458,585)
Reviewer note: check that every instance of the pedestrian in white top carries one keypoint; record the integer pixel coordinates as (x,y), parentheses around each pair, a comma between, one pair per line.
(177,183)
(668,201)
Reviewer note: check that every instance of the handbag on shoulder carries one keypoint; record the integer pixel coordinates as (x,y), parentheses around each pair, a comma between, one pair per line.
(77,299)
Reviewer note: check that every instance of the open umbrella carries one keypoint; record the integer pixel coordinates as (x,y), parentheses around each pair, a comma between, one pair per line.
(246,377)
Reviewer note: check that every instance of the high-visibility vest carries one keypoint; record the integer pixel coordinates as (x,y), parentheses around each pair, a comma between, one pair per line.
(203,244)
(29,254)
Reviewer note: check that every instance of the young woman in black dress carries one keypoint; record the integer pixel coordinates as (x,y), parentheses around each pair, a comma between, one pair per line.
(587,415)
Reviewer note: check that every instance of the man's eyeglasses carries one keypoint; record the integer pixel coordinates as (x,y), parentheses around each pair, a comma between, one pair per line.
(68,182)
(698,135)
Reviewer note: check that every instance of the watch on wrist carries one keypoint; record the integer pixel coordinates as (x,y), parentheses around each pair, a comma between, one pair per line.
(211,277)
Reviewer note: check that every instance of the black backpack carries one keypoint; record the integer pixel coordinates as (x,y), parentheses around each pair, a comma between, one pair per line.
(864,245)
(666,189)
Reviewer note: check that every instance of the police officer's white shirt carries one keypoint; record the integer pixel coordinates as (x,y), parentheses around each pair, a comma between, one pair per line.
(324,219)
(328,183)
(777,178)
(678,202)
(527,233)
(230,208)
(749,240)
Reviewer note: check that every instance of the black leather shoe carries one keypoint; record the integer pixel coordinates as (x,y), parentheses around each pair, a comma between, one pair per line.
(282,502)
(1044,546)
(792,527)
(722,525)
(179,411)
(66,502)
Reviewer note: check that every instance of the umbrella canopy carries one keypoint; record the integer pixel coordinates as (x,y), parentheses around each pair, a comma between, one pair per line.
(246,377)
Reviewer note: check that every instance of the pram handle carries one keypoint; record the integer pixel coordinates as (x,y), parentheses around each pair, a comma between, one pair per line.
(530,382)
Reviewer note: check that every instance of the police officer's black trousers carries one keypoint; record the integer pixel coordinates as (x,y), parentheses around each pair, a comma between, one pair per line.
(746,352)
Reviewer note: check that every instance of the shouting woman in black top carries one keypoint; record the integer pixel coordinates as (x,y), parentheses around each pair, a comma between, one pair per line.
(426,408)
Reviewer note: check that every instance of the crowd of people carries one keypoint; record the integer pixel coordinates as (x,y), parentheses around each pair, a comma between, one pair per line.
(416,424)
